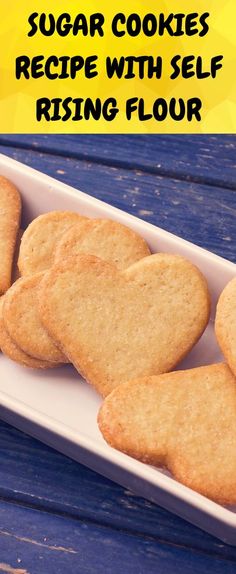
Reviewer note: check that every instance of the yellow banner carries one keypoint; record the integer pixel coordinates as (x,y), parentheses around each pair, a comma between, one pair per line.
(118,67)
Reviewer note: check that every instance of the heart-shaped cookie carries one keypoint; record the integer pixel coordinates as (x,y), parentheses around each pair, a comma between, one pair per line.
(107,239)
(13,352)
(115,326)
(225,323)
(184,421)
(40,240)
(22,322)
(10,213)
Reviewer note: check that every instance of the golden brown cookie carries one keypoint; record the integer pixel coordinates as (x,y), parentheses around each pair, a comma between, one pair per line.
(21,319)
(13,352)
(10,214)
(115,326)
(184,421)
(104,238)
(41,238)
(225,323)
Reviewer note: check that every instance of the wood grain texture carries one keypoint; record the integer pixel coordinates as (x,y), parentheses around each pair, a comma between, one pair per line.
(47,544)
(56,515)
(199,213)
(207,159)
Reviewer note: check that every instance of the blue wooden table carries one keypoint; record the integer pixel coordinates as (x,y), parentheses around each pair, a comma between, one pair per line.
(57,516)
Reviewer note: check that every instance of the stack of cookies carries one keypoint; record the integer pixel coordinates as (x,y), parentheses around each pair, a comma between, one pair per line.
(90,293)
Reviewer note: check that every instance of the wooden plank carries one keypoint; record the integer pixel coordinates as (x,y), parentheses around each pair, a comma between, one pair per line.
(44,478)
(208,159)
(34,542)
(202,214)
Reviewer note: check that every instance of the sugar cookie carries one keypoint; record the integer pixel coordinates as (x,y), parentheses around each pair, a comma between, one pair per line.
(21,318)
(10,214)
(115,326)
(225,323)
(106,239)
(41,238)
(185,421)
(13,352)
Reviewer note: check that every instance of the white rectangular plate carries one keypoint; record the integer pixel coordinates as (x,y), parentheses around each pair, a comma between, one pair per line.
(60,409)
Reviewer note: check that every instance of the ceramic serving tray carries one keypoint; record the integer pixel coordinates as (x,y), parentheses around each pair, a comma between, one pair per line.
(60,409)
